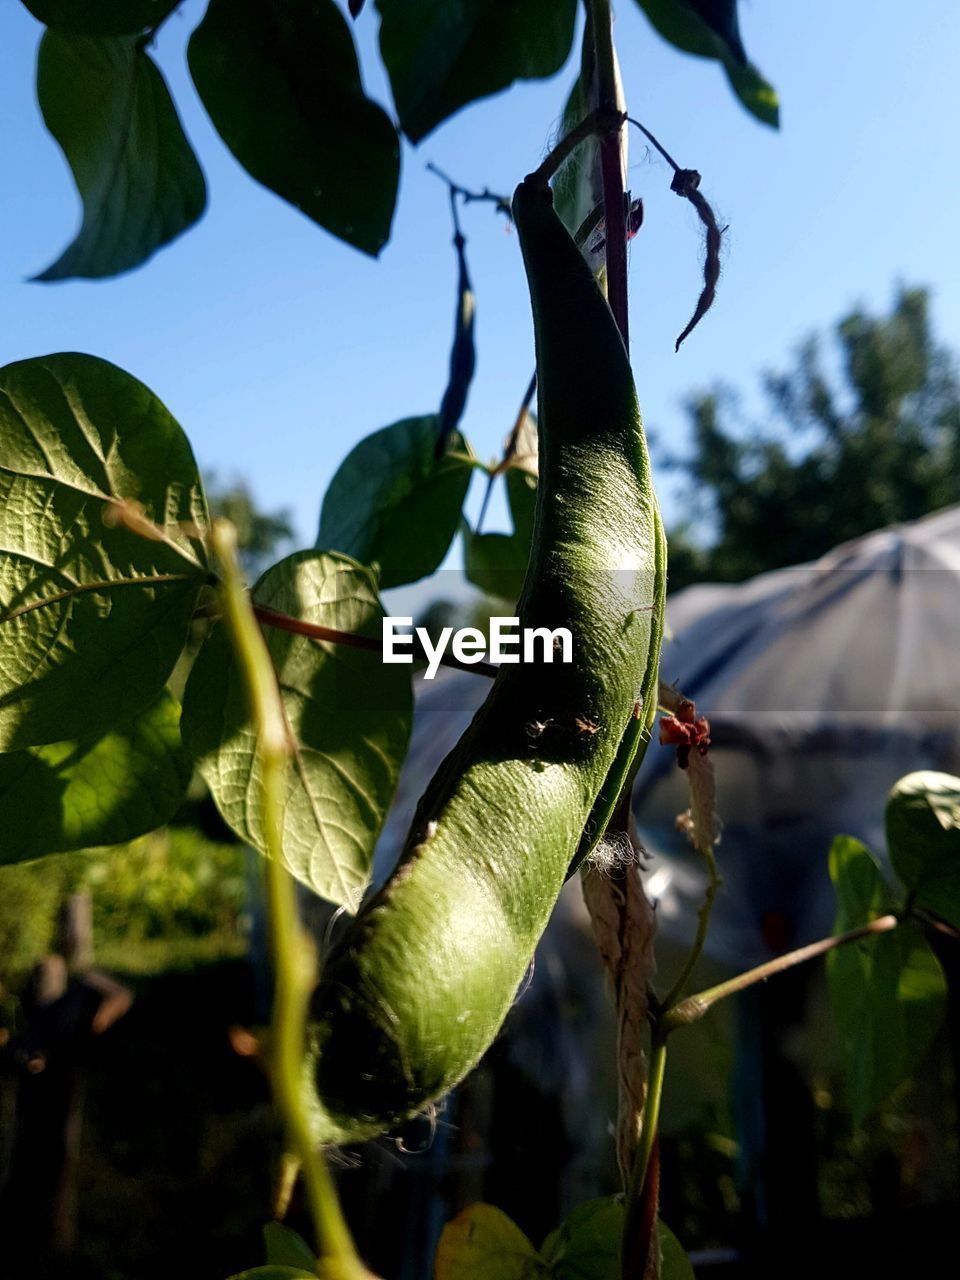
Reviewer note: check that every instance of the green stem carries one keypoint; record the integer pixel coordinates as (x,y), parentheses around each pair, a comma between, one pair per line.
(611,165)
(634,1217)
(291,952)
(351,640)
(694,1007)
(703,924)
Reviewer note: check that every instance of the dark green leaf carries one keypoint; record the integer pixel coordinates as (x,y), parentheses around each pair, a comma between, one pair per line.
(392,503)
(586,1245)
(442,56)
(497,562)
(708,29)
(522,499)
(102,17)
(862,893)
(482,1243)
(108,107)
(286,1249)
(281,82)
(721,17)
(923,837)
(756,94)
(105,790)
(887,991)
(349,714)
(674,1263)
(92,618)
(277,1273)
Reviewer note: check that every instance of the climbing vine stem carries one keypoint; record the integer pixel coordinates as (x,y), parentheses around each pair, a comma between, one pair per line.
(292,954)
(694,1007)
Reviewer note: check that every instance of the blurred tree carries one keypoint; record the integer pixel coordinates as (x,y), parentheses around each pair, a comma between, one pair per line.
(264,536)
(869,436)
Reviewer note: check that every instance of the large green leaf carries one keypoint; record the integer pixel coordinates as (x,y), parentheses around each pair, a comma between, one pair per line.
(102,17)
(674,1263)
(482,1243)
(709,29)
(278,1273)
(586,1245)
(92,616)
(923,837)
(281,82)
(349,714)
(721,17)
(96,791)
(108,107)
(287,1249)
(443,54)
(888,991)
(392,503)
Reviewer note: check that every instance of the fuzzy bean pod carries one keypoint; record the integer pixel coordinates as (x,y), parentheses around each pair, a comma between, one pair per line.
(423,978)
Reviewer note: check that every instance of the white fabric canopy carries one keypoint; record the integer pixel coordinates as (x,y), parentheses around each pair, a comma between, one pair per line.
(823,683)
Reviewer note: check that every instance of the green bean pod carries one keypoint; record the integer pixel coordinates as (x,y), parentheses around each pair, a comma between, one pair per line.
(420,983)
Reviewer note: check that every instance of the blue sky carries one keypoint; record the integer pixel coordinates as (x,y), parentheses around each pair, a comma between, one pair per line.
(278,348)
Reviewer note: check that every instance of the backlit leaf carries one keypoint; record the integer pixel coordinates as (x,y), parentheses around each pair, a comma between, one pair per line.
(108,107)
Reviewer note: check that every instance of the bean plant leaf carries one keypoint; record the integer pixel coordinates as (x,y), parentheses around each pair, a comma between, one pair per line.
(721,17)
(102,17)
(287,1249)
(95,791)
(887,991)
(482,1243)
(586,1245)
(278,1273)
(281,83)
(923,838)
(349,716)
(674,1262)
(709,29)
(497,562)
(92,616)
(394,504)
(442,56)
(108,107)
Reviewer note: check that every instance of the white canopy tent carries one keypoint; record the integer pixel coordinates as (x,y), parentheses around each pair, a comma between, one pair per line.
(823,683)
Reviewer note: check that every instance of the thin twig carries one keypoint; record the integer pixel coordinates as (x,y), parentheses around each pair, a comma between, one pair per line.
(703,924)
(694,1007)
(351,640)
(934,922)
(509,448)
(501,203)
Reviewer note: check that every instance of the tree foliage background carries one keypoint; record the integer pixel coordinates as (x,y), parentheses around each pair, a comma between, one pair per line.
(861,430)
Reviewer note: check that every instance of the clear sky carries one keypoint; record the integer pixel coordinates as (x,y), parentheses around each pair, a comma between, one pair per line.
(278,348)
